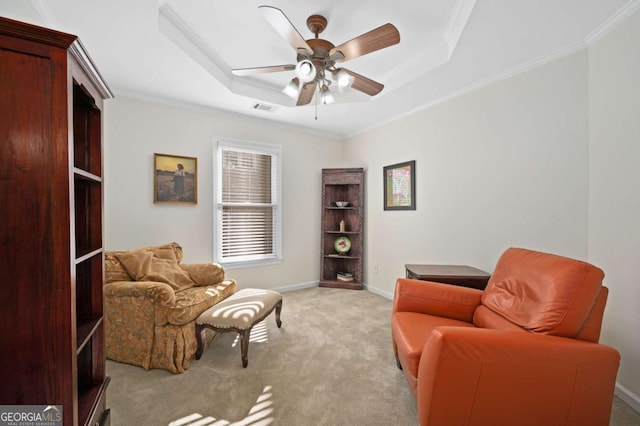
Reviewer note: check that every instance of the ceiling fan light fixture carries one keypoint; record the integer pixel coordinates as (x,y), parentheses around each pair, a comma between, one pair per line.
(292,89)
(344,79)
(325,95)
(327,98)
(306,71)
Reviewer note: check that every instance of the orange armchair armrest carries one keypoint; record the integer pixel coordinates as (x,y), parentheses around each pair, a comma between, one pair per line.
(484,376)
(437,299)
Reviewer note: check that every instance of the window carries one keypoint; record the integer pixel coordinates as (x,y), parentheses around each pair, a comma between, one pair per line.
(247,203)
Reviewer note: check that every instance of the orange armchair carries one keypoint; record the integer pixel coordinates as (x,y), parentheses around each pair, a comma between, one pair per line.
(524,351)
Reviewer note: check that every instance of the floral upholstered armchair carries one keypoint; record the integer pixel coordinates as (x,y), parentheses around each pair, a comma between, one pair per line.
(151,303)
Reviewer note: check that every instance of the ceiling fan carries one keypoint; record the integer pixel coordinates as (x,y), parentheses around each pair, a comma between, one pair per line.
(317,58)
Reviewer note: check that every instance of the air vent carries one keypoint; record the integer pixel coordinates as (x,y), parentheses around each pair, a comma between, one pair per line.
(263,107)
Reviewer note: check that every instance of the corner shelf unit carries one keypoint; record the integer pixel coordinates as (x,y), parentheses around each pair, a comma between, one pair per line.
(51,192)
(342,185)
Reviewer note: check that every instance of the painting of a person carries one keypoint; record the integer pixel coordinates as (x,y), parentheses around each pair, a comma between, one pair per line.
(175,179)
(178,181)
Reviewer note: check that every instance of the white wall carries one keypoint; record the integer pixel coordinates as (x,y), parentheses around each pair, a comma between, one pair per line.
(506,165)
(135,130)
(614,204)
(21,10)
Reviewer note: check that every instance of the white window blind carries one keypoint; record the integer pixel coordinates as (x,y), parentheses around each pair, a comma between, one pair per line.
(247,203)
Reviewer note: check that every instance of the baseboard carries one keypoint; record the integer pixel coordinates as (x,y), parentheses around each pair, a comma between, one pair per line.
(378,291)
(311,284)
(628,397)
(297,286)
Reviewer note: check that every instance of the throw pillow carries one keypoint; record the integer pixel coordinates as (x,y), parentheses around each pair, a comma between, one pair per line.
(142,265)
(166,251)
(113,269)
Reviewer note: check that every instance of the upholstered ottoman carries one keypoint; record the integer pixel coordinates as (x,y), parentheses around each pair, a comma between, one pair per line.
(239,313)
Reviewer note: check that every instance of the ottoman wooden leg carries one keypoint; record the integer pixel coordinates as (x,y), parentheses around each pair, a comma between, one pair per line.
(199,330)
(278,309)
(244,346)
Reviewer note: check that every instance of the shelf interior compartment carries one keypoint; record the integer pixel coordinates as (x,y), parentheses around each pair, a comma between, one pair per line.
(348,193)
(328,248)
(332,217)
(333,265)
(89,306)
(92,381)
(87,147)
(88,215)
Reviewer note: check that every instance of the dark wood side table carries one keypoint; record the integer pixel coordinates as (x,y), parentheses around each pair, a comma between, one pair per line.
(461,275)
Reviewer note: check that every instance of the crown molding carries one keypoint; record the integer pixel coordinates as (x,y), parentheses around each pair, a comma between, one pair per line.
(457,23)
(81,55)
(614,20)
(179,32)
(203,109)
(183,36)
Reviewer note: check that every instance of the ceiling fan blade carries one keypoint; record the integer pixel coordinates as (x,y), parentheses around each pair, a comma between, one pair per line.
(285,28)
(306,93)
(384,36)
(262,70)
(364,84)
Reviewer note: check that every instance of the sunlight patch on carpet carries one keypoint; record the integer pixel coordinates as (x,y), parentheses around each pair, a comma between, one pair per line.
(259,415)
(259,334)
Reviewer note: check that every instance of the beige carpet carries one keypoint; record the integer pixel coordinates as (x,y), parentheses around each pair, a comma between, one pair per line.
(331,363)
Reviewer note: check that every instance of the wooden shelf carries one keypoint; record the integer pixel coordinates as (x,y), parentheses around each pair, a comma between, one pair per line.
(89,255)
(342,208)
(341,256)
(86,329)
(86,175)
(342,185)
(341,284)
(343,232)
(91,403)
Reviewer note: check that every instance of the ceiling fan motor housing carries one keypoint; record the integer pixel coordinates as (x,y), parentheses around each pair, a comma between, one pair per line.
(320,57)
(316,24)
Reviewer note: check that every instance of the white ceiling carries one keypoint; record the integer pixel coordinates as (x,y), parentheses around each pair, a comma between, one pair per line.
(182,51)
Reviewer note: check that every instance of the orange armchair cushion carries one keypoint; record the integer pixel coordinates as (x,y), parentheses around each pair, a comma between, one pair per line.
(410,332)
(438,299)
(543,293)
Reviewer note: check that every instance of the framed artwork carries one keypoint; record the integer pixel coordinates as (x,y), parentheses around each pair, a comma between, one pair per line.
(400,186)
(175,179)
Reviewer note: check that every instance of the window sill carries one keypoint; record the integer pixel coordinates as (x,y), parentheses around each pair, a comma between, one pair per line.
(250,263)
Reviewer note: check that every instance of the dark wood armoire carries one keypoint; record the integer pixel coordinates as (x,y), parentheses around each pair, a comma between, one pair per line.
(51,238)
